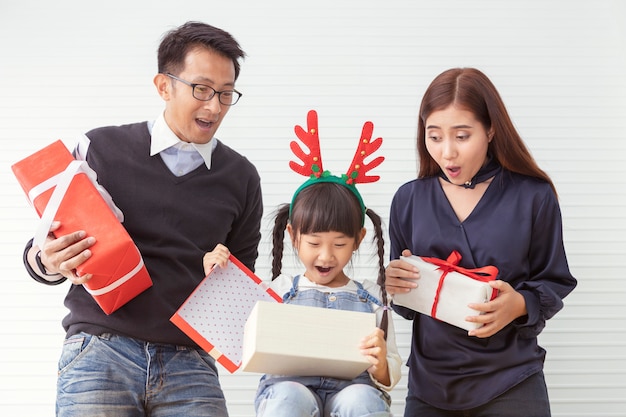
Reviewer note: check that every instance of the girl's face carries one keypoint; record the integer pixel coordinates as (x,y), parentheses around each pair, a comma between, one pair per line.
(324,255)
(458,142)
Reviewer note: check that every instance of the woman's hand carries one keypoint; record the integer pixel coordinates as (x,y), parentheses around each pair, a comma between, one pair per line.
(499,312)
(217,257)
(400,276)
(374,348)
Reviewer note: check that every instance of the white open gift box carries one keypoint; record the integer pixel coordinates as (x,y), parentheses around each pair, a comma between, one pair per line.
(288,339)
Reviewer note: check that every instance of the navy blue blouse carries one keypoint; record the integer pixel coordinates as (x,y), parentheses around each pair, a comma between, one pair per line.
(516,226)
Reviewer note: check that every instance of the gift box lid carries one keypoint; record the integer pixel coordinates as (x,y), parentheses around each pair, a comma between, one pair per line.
(214,315)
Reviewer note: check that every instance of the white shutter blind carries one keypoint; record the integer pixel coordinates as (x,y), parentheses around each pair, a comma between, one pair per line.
(559,66)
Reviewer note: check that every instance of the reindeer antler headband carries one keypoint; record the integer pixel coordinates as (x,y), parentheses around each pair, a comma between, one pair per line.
(312,161)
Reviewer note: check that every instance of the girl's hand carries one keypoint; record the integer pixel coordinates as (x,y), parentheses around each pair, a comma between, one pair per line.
(400,276)
(217,257)
(499,312)
(374,348)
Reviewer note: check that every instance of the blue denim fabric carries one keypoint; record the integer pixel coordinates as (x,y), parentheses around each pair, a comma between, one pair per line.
(529,398)
(296,397)
(111,375)
(282,396)
(341,300)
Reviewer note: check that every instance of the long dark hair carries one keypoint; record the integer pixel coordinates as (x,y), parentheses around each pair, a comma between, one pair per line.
(326,207)
(470,89)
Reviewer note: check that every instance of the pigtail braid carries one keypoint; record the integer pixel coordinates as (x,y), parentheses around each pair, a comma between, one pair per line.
(278,237)
(380,242)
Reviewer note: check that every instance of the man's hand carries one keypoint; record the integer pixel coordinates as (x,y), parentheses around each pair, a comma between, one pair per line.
(64,254)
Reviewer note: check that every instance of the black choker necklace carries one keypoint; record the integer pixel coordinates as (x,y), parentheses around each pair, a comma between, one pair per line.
(491,168)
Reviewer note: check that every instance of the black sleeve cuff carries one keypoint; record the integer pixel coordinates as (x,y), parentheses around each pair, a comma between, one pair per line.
(34,275)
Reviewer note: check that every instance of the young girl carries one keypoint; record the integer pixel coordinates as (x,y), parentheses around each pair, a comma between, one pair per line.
(479,192)
(325,223)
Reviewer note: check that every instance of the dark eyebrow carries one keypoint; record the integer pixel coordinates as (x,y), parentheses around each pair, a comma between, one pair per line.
(209,82)
(454,127)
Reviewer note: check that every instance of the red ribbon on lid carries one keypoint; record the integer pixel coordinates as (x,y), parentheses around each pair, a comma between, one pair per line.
(484,274)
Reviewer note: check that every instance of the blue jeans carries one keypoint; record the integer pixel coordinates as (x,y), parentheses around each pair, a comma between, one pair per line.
(111,375)
(529,398)
(289,398)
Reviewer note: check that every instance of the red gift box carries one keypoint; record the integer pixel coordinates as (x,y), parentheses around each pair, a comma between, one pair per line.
(119,274)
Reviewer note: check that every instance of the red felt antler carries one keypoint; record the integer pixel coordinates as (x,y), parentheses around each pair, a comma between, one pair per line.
(357,173)
(312,161)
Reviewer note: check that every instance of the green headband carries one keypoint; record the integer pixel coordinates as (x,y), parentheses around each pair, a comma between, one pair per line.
(312,161)
(327,177)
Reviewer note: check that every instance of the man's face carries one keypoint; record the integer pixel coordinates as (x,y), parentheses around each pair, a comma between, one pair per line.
(190,119)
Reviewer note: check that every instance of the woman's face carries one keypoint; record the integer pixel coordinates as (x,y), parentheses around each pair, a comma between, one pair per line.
(458,142)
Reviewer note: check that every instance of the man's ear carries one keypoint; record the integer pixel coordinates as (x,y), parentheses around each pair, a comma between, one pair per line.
(163,86)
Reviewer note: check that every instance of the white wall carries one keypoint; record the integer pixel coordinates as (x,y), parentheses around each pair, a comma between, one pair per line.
(68,66)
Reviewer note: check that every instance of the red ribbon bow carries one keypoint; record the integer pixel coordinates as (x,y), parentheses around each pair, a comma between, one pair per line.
(484,274)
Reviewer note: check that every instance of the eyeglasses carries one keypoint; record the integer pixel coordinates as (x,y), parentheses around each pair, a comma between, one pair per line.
(204,92)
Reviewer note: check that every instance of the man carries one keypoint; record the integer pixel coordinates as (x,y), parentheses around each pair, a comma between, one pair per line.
(188,201)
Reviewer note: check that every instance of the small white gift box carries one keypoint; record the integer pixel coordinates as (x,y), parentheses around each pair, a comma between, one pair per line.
(444,289)
(288,339)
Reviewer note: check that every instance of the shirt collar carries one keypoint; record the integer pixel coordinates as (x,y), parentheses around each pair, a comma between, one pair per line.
(163,138)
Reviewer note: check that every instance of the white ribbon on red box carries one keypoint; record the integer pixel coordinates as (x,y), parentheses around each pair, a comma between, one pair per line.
(61,182)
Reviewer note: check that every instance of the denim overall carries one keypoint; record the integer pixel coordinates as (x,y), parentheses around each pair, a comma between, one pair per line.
(362,301)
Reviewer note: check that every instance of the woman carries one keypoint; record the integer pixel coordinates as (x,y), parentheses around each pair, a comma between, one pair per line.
(479,192)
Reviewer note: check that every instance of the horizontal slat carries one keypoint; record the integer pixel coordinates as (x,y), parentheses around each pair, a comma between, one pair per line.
(559,66)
